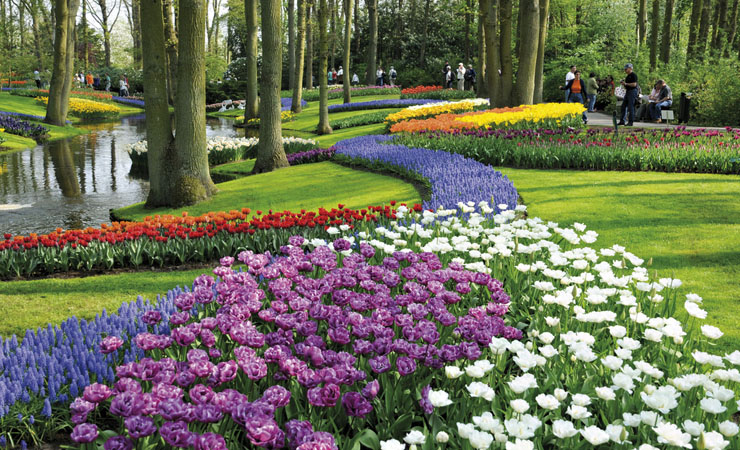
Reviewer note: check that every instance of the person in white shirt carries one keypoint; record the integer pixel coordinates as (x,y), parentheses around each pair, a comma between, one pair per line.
(355,80)
(340,75)
(393,74)
(461,77)
(569,76)
(379,77)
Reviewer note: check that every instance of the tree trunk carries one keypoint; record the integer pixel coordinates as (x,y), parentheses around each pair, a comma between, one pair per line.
(693,30)
(357,26)
(160,146)
(715,24)
(346,84)
(507,70)
(372,50)
(136,20)
(308,68)
(251,109)
(720,36)
(400,30)
(192,182)
(701,43)
(493,48)
(642,22)
(171,46)
(333,34)
(65,12)
(733,28)
(324,127)
(468,9)
(482,82)
(104,13)
(299,57)
(654,31)
(424,34)
(291,44)
(22,26)
(36,35)
(665,48)
(270,152)
(530,36)
(539,77)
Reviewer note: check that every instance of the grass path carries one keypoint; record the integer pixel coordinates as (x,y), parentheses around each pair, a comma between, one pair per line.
(689,224)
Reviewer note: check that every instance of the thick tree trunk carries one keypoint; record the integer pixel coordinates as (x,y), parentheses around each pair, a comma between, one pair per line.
(539,78)
(481,82)
(160,146)
(291,44)
(665,47)
(720,35)
(251,109)
(715,24)
(654,32)
(693,29)
(506,61)
(333,34)
(347,46)
(642,22)
(372,50)
(308,69)
(324,127)
(270,152)
(36,35)
(468,9)
(357,26)
(136,21)
(299,58)
(65,12)
(493,47)
(701,43)
(530,36)
(192,182)
(171,46)
(424,34)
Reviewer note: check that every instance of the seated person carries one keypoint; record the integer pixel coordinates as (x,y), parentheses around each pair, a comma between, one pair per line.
(665,100)
(645,111)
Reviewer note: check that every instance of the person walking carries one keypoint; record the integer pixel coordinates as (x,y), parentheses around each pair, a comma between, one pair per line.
(328,76)
(355,80)
(340,75)
(449,78)
(568,77)
(664,101)
(470,78)
(122,87)
(577,88)
(379,77)
(460,77)
(393,74)
(592,88)
(445,69)
(37,78)
(107,82)
(628,105)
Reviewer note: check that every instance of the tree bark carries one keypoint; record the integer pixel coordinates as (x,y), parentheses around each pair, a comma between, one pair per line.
(539,77)
(270,152)
(504,98)
(654,31)
(65,13)
(720,36)
(701,43)
(424,34)
(493,49)
(333,34)
(136,20)
(346,83)
(323,127)
(104,13)
(308,69)
(482,82)
(372,50)
(192,182)
(642,22)
(251,109)
(171,46)
(160,148)
(357,26)
(732,28)
(291,44)
(528,49)
(299,58)
(468,9)
(715,24)
(696,9)
(665,48)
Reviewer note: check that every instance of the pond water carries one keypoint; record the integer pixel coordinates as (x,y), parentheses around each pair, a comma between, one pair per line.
(73,183)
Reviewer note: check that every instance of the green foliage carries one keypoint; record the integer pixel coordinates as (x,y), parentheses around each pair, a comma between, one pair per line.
(215,67)
(225,90)
(416,76)
(364,119)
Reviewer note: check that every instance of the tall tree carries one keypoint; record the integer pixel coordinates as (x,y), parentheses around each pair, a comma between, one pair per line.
(732,27)
(333,33)
(642,22)
(654,32)
(542,38)
(106,17)
(530,36)
(133,14)
(323,127)
(372,46)
(347,48)
(212,29)
(270,152)
(251,109)
(704,25)
(482,82)
(665,47)
(299,57)
(65,14)
(507,70)
(424,33)
(468,9)
(490,10)
(308,68)
(720,35)
(291,44)
(696,8)
(357,26)
(171,47)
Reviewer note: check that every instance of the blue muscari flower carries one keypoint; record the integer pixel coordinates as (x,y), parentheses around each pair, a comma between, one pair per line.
(3,441)
(46,412)
(24,446)
(31,419)
(19,417)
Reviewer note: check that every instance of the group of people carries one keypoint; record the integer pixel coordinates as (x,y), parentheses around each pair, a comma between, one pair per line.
(337,77)
(465,78)
(102,82)
(580,91)
(382,78)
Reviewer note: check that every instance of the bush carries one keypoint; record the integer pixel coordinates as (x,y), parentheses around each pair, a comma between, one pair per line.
(225,90)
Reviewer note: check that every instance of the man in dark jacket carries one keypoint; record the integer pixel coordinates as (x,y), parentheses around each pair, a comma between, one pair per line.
(628,105)
(470,78)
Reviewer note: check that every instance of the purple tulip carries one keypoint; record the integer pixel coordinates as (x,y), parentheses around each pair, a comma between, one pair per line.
(96,393)
(277,396)
(405,365)
(207,413)
(118,443)
(140,426)
(356,405)
(84,433)
(380,364)
(152,317)
(210,441)
(110,344)
(424,402)
(127,404)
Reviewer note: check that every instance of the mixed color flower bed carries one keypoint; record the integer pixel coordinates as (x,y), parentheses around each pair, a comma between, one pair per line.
(436,92)
(87,109)
(434,108)
(378,104)
(666,150)
(19,127)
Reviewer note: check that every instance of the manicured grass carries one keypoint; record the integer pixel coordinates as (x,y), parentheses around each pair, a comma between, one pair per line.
(233,170)
(689,224)
(27,105)
(231,113)
(308,119)
(32,304)
(12,142)
(307,186)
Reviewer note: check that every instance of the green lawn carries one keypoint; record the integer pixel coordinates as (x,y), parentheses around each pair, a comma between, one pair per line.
(689,224)
(12,142)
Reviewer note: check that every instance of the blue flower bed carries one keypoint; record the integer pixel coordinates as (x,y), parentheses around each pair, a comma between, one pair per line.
(24,116)
(287,102)
(128,101)
(20,127)
(380,104)
(453,177)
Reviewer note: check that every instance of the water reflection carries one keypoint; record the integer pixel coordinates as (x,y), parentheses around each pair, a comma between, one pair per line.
(73,183)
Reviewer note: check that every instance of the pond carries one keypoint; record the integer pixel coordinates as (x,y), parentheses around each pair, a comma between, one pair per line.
(73,183)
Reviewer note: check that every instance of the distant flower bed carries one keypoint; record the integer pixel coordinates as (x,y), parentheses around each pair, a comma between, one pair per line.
(436,92)
(19,127)
(132,101)
(222,150)
(378,104)
(286,103)
(312,95)
(87,109)
(433,108)
(311,156)
(285,116)
(23,116)
(16,83)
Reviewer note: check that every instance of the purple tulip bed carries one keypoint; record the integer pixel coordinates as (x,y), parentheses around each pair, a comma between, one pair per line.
(380,104)
(20,127)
